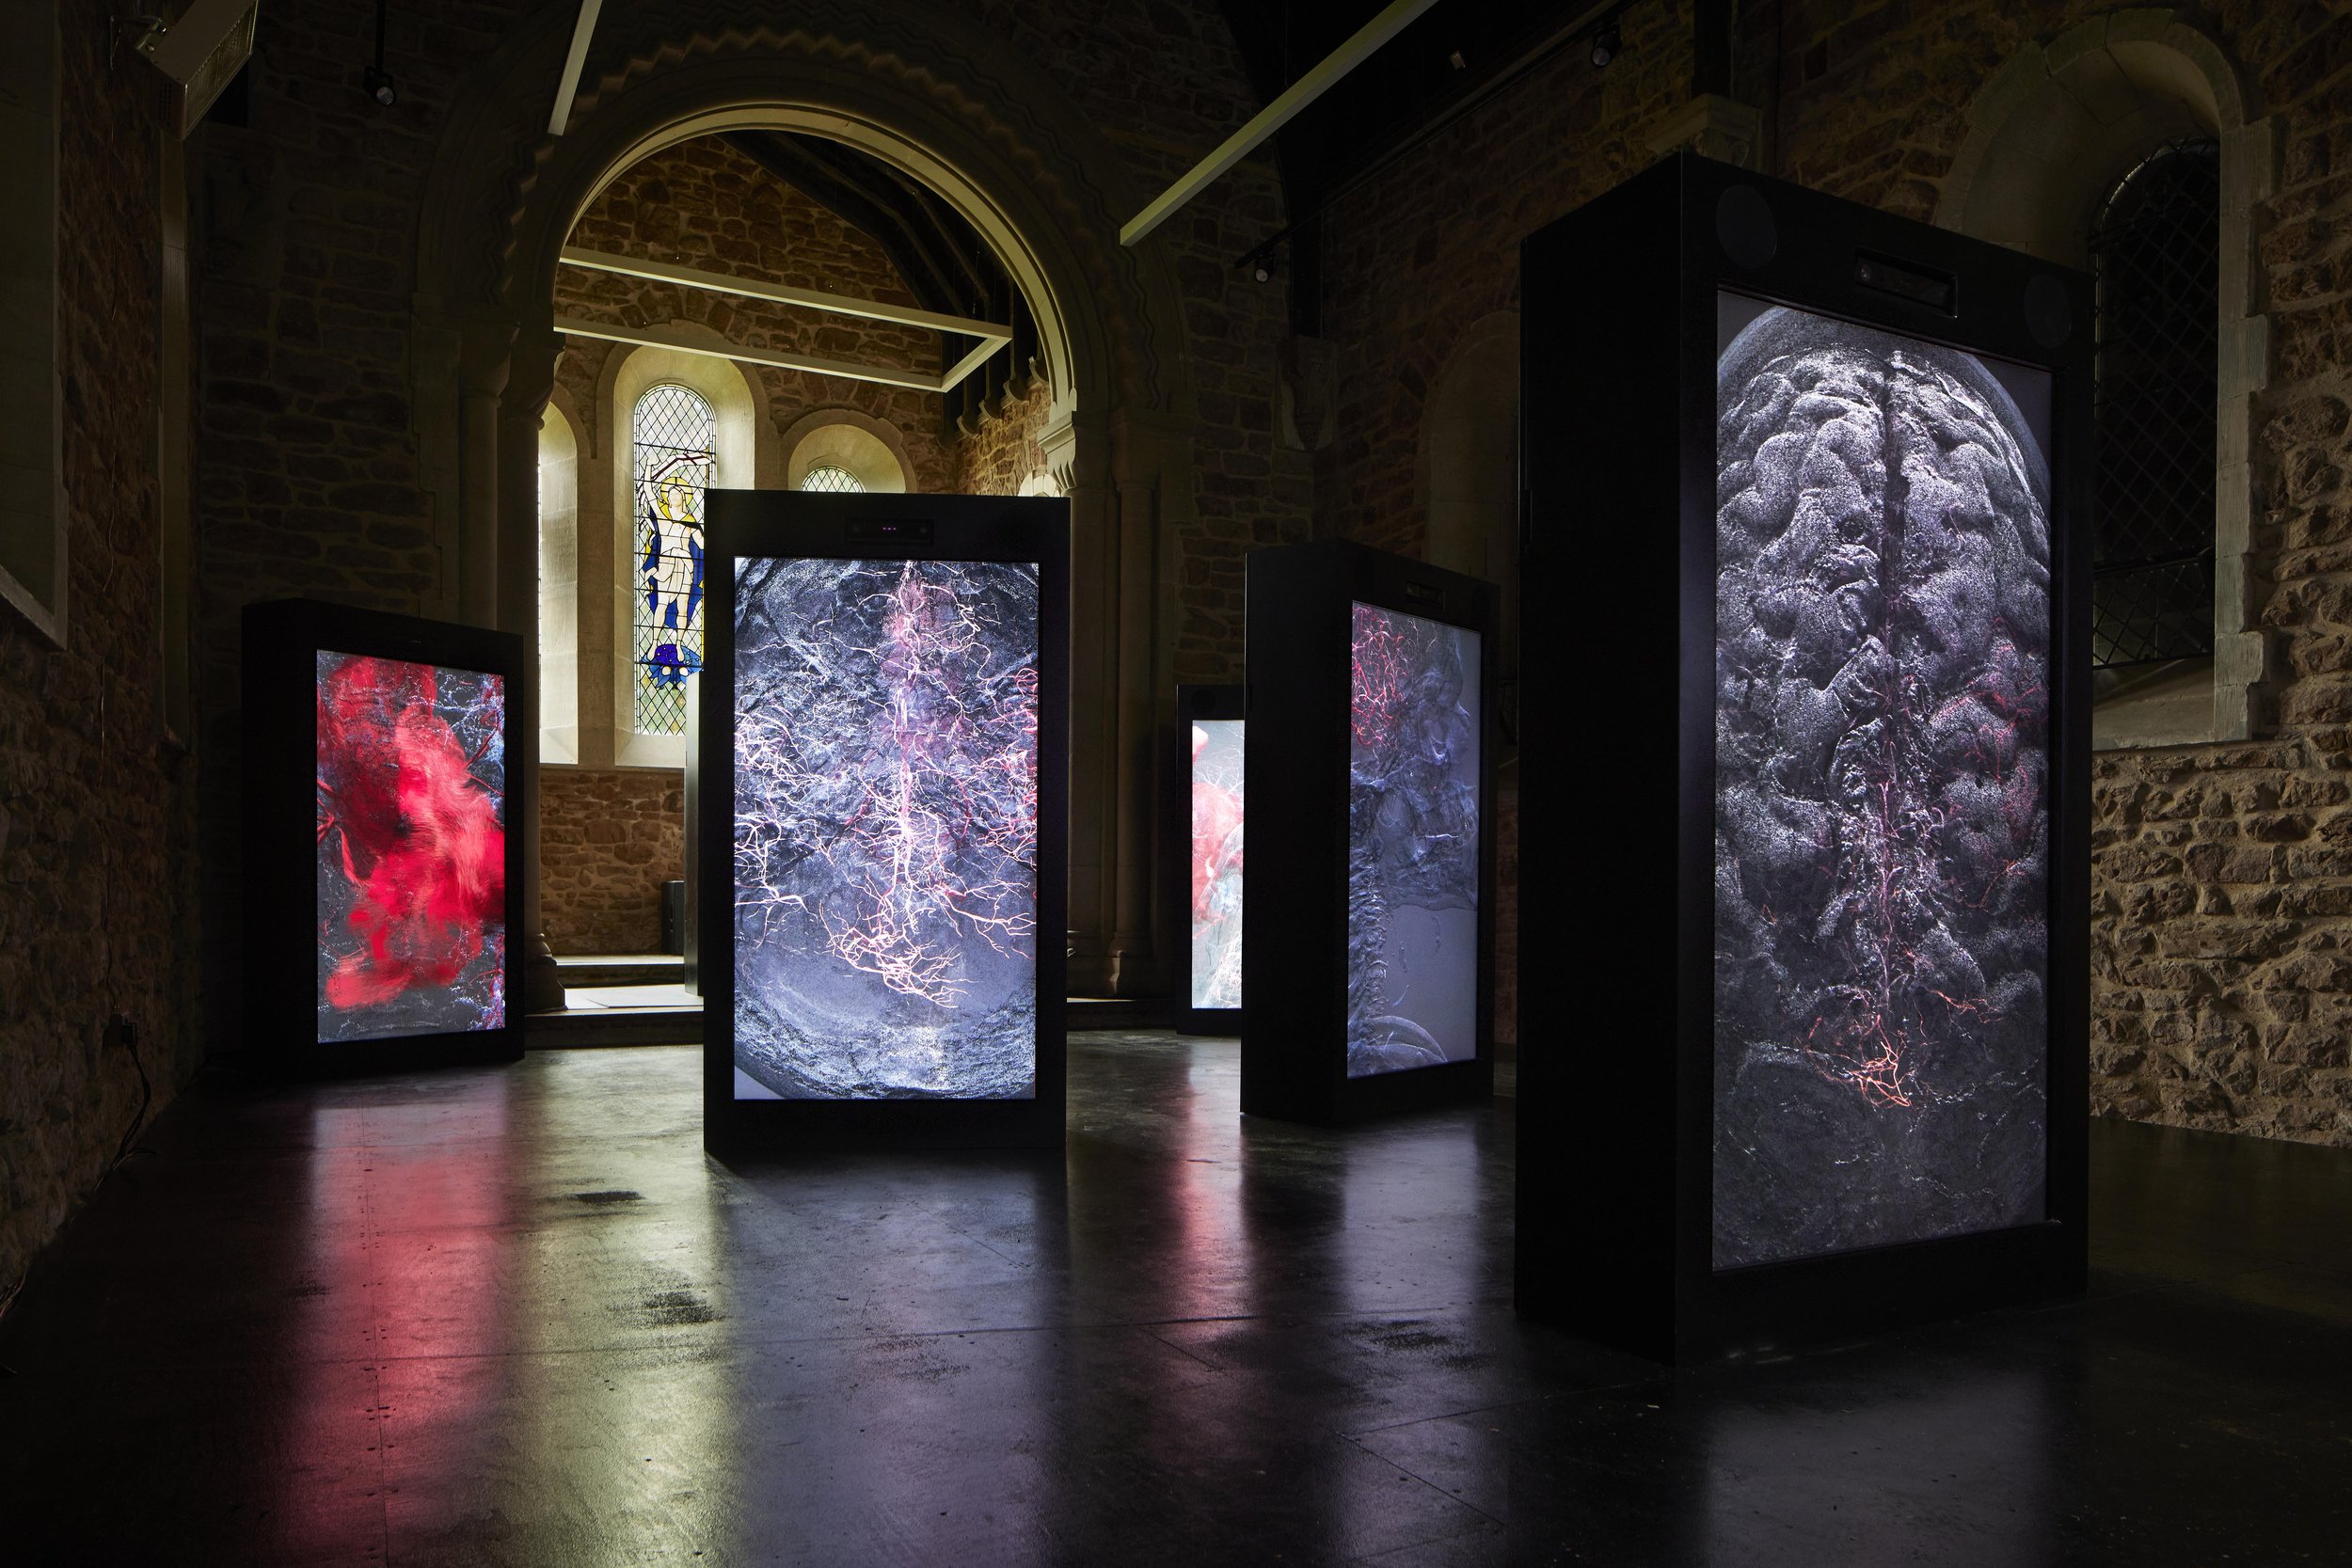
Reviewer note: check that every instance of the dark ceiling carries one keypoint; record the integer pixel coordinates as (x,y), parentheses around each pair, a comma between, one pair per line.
(1394,97)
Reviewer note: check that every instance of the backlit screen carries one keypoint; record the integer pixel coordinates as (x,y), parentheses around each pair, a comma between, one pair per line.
(411,848)
(1882,811)
(885,829)
(1217,823)
(1412,836)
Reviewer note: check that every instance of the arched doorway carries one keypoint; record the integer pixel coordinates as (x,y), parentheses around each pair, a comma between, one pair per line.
(959,110)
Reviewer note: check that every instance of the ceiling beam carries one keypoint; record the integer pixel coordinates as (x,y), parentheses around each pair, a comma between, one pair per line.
(750,288)
(1392,21)
(577,56)
(886,375)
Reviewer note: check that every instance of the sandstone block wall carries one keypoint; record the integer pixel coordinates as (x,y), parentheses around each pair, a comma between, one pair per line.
(608,838)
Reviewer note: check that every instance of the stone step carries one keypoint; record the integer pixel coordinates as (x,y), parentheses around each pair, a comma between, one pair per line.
(619,969)
(654,1013)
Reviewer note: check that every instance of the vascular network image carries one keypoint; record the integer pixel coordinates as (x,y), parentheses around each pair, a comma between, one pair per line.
(1882,791)
(1412,836)
(1215,854)
(411,848)
(885,829)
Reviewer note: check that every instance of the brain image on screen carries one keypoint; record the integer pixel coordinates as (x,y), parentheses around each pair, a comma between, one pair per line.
(1882,811)
(885,829)
(1215,853)
(411,848)
(1412,836)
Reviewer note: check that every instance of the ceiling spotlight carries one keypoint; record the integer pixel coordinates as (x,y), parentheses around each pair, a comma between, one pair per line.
(1606,43)
(377,80)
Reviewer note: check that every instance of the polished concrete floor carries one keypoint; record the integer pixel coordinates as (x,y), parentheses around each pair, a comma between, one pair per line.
(513,1316)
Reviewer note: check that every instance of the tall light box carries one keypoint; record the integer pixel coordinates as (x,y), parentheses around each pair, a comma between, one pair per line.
(1207,786)
(382,873)
(1367,957)
(1803,850)
(881,807)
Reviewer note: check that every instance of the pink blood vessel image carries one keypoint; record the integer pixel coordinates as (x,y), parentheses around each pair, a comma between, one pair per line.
(1412,842)
(885,828)
(411,848)
(1217,862)
(1882,811)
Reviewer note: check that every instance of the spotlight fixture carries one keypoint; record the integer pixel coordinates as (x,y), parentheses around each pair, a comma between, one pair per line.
(1260,271)
(1606,45)
(377,80)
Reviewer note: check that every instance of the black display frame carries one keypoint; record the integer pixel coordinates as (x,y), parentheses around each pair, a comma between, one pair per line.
(1615,1153)
(282,640)
(767,524)
(1223,703)
(1299,614)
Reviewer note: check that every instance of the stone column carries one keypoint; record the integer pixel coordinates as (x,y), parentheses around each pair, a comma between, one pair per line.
(1078,466)
(517,413)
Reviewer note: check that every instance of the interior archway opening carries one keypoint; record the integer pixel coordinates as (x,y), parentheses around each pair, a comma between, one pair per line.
(787,289)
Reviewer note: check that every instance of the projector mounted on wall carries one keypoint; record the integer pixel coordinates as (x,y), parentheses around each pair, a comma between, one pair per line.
(202,52)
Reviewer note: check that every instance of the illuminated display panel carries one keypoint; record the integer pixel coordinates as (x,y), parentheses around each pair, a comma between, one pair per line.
(1412,837)
(411,871)
(1881,808)
(885,828)
(1216,855)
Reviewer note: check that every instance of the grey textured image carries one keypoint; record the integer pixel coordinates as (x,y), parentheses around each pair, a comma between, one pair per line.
(1883,632)
(1412,844)
(885,829)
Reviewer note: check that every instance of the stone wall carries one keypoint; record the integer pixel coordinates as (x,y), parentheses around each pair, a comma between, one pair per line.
(999,452)
(96,804)
(608,838)
(704,204)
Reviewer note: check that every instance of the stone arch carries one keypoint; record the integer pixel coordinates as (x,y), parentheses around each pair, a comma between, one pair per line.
(869,448)
(959,108)
(2048,136)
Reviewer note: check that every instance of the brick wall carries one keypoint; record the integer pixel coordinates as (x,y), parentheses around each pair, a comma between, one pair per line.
(610,838)
(96,812)
(703,204)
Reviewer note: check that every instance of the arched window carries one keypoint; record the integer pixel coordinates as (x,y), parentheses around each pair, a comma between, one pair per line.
(831,476)
(674,437)
(2156,252)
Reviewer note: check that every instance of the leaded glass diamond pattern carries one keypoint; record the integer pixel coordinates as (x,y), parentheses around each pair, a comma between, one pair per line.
(833,477)
(673,433)
(2155,245)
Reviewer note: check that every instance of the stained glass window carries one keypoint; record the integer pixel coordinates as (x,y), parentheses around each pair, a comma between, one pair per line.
(829,476)
(674,433)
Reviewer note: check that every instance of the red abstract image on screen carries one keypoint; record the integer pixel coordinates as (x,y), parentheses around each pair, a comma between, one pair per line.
(411,848)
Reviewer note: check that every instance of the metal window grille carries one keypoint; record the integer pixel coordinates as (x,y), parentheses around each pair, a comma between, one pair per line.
(673,431)
(2155,249)
(831,476)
